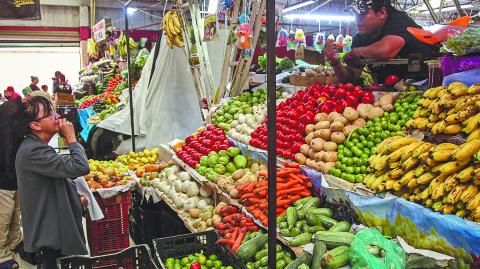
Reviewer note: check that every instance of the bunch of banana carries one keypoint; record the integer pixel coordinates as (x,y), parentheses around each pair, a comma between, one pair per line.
(172,28)
(92,47)
(449,110)
(122,45)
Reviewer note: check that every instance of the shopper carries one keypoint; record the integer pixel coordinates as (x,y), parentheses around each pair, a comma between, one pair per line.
(11,133)
(10,93)
(55,79)
(32,87)
(62,86)
(44,88)
(50,205)
(382,34)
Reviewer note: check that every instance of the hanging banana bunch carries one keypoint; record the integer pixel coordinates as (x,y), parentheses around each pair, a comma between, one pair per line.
(92,47)
(122,45)
(172,28)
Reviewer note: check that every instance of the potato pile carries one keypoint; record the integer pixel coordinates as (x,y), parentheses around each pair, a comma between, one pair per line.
(320,150)
(240,177)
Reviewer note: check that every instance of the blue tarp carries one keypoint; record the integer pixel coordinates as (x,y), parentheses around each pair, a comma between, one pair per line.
(84,115)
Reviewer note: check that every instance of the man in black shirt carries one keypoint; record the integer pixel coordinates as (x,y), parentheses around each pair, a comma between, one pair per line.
(382,34)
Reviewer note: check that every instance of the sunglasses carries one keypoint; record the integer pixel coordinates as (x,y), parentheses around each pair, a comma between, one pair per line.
(52,115)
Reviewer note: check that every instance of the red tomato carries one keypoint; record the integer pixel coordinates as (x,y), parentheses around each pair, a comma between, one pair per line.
(391,80)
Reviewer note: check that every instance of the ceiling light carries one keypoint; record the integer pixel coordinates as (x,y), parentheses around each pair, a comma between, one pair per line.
(319,17)
(297,6)
(131,10)
(212,6)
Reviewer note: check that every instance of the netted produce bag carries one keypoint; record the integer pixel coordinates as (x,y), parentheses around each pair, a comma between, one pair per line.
(370,249)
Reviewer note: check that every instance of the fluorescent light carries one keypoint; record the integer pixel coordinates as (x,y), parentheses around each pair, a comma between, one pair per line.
(131,10)
(212,6)
(451,8)
(297,6)
(319,17)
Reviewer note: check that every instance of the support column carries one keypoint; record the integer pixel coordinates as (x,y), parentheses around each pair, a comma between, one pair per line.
(84,34)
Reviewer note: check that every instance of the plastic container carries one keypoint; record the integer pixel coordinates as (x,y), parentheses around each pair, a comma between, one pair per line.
(130,258)
(110,234)
(183,245)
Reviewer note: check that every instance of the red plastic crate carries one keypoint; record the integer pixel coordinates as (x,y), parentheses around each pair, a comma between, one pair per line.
(111,233)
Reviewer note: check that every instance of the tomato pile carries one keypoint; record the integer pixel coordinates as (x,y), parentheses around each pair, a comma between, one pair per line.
(108,97)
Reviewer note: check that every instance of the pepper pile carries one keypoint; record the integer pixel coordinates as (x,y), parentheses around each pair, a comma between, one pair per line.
(291,186)
(234,227)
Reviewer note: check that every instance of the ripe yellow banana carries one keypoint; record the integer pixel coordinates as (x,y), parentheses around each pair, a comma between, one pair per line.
(396,155)
(444,146)
(409,163)
(433,92)
(425,178)
(466,150)
(439,127)
(466,174)
(457,88)
(383,145)
(448,209)
(437,206)
(474,202)
(410,148)
(469,193)
(471,124)
(454,195)
(474,135)
(420,170)
(442,155)
(461,213)
(379,163)
(453,129)
(474,89)
(396,173)
(450,183)
(407,177)
(451,167)
(421,149)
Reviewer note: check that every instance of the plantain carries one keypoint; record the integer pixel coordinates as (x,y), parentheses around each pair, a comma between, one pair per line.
(422,125)
(369,180)
(474,135)
(474,202)
(389,184)
(421,149)
(431,162)
(453,129)
(466,174)
(376,183)
(457,88)
(412,184)
(423,196)
(425,178)
(409,123)
(469,193)
(394,165)
(466,150)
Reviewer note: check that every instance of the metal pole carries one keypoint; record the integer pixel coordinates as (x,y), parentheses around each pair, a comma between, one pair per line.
(432,12)
(130,93)
(459,8)
(272,136)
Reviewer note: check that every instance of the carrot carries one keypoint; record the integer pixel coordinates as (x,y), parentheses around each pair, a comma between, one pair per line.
(283,202)
(292,190)
(253,200)
(248,195)
(263,174)
(290,170)
(227,242)
(263,193)
(257,214)
(296,178)
(253,228)
(287,185)
(291,165)
(239,240)
(304,193)
(264,183)
(294,197)
(259,189)
(282,174)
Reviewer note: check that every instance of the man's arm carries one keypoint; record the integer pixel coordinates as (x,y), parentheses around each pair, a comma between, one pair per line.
(347,74)
(386,48)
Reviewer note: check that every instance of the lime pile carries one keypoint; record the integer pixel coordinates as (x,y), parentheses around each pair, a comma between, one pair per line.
(192,261)
(353,153)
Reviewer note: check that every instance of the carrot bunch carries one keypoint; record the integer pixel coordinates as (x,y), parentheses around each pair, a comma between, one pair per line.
(291,186)
(234,227)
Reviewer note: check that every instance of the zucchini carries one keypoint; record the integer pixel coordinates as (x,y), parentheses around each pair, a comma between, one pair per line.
(290,232)
(248,249)
(281,264)
(314,202)
(305,257)
(335,239)
(262,253)
(336,257)
(302,201)
(319,248)
(321,211)
(291,216)
(300,224)
(325,221)
(300,240)
(303,266)
(282,218)
(282,225)
(341,226)
(316,228)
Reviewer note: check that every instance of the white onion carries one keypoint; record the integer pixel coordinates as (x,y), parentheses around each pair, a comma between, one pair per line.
(184,176)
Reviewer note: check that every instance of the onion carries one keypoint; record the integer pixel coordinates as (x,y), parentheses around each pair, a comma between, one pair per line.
(201,204)
(178,185)
(205,191)
(189,204)
(193,189)
(184,176)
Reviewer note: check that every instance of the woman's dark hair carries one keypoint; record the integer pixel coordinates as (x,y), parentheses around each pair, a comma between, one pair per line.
(148,45)
(32,108)
(378,4)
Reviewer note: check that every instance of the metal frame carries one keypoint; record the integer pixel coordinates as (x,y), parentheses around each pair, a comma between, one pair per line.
(130,90)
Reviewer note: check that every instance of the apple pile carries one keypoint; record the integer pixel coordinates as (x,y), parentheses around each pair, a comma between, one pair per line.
(201,143)
(296,112)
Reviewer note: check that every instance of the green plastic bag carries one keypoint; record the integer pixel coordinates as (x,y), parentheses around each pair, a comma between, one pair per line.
(370,249)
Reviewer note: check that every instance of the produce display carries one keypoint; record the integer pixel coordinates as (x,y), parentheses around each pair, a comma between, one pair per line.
(107,174)
(449,110)
(201,143)
(464,43)
(291,186)
(135,159)
(172,27)
(353,153)
(245,124)
(310,76)
(225,162)
(282,64)
(330,130)
(196,261)
(240,177)
(296,112)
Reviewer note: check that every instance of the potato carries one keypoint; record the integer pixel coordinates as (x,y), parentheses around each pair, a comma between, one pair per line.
(254,167)
(332,116)
(238,174)
(317,144)
(337,137)
(336,126)
(359,122)
(388,107)
(376,103)
(330,157)
(330,146)
(319,156)
(309,138)
(310,128)
(311,153)
(322,125)
(195,212)
(263,167)
(234,193)
(375,112)
(348,129)
(304,149)
(300,158)
(321,117)
(363,110)
(320,166)
(229,188)
(310,163)
(342,119)
(386,99)
(350,113)
(324,134)
(329,165)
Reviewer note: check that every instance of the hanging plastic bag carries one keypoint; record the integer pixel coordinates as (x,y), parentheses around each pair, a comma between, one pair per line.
(282,38)
(300,37)
(339,42)
(209,27)
(347,43)
(370,249)
(291,44)
(243,33)
(319,41)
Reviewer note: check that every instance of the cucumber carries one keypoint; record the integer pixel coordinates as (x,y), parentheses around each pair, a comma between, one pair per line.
(341,226)
(300,240)
(262,253)
(300,224)
(301,214)
(321,211)
(248,249)
(291,217)
(305,257)
(335,239)
(303,266)
(264,261)
(301,202)
(325,221)
(319,248)
(282,218)
(314,202)
(290,232)
(282,225)
(281,264)
(316,228)
(336,257)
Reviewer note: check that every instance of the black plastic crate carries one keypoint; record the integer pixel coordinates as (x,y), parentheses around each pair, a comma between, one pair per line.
(183,245)
(136,257)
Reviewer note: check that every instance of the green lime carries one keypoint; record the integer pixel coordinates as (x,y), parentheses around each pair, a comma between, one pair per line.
(378,141)
(371,137)
(347,161)
(383,135)
(396,128)
(377,119)
(356,170)
(363,169)
(351,178)
(209,263)
(340,147)
(370,123)
(355,141)
(354,135)
(213,257)
(347,153)
(373,151)
(217,263)
(358,152)
(340,156)
(378,128)
(349,170)
(350,144)
(385,114)
(343,167)
(343,175)
(359,178)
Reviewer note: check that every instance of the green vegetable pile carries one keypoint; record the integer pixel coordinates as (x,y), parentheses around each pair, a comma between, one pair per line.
(353,153)
(211,261)
(225,162)
(464,43)
(282,64)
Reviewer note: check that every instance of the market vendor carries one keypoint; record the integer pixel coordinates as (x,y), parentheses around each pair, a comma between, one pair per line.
(382,34)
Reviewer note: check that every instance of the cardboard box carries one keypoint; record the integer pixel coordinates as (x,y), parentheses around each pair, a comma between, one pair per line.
(64,99)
